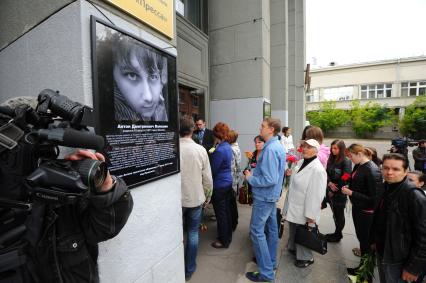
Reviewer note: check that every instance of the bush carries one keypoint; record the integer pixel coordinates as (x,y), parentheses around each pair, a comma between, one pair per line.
(328,117)
(367,119)
(413,124)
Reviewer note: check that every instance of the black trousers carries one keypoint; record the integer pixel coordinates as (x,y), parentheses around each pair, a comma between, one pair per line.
(339,216)
(362,223)
(222,209)
(234,209)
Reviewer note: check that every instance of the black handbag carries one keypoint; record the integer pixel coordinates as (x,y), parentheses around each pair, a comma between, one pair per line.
(311,238)
(280,222)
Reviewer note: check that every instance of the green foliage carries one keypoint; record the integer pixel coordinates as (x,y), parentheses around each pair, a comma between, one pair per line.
(369,118)
(414,122)
(328,118)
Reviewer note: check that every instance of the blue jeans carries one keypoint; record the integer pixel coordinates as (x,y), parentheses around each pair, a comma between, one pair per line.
(191,220)
(264,219)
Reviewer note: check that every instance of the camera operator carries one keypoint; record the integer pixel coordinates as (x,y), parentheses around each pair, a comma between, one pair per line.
(53,213)
(419,156)
(65,248)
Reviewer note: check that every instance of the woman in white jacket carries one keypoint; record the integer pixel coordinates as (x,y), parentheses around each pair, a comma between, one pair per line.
(303,204)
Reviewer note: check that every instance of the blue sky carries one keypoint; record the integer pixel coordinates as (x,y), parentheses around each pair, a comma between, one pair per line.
(352,31)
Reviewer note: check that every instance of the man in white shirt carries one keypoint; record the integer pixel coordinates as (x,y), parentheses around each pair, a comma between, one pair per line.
(197,186)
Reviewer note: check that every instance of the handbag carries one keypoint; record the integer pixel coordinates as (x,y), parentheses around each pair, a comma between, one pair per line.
(311,238)
(244,194)
(280,222)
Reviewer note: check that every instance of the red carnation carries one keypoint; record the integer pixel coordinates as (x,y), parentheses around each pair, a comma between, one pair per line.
(299,149)
(345,177)
(291,158)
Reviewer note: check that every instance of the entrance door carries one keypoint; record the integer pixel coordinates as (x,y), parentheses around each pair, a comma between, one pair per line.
(190,103)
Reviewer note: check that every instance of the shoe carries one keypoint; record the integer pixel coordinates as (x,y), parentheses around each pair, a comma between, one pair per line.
(352,271)
(218,245)
(256,277)
(187,278)
(303,263)
(293,252)
(333,238)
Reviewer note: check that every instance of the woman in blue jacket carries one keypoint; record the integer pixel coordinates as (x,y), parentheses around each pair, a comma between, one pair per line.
(222,185)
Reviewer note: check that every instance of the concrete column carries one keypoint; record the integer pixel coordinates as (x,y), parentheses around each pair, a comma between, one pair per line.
(279,60)
(239,44)
(296,59)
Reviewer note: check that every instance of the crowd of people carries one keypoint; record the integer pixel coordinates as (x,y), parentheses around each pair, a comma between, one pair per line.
(388,201)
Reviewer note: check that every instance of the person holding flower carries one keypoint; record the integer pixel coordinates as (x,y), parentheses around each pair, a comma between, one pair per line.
(339,169)
(364,191)
(303,202)
(221,159)
(252,157)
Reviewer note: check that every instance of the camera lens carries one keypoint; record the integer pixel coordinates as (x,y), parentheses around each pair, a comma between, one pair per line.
(93,172)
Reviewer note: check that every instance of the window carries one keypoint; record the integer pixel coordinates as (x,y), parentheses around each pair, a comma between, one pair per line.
(195,11)
(374,91)
(413,88)
(338,93)
(194,101)
(312,96)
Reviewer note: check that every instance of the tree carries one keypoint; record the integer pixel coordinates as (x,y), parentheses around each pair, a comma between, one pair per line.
(328,117)
(367,119)
(413,124)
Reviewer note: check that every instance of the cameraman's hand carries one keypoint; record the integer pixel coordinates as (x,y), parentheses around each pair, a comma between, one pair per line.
(86,154)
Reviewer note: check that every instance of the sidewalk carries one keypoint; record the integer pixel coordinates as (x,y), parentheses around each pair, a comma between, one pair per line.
(230,265)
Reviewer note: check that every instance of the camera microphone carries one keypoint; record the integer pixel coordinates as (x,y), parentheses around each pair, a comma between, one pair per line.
(72,138)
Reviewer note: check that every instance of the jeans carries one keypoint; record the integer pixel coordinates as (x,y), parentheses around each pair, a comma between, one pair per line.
(264,236)
(191,220)
(389,272)
(362,223)
(222,209)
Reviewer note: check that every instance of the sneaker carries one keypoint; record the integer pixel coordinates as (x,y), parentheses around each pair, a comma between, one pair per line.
(303,263)
(256,277)
(188,277)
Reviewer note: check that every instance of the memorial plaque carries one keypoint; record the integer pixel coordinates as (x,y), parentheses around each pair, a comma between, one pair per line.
(135,102)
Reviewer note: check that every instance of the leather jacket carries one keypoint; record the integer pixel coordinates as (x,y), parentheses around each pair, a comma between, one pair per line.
(335,172)
(405,238)
(65,249)
(366,185)
(419,156)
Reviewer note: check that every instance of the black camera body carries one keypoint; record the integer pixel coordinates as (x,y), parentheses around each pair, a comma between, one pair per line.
(56,121)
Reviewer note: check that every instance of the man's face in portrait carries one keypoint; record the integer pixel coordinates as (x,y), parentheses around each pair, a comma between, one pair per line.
(140,85)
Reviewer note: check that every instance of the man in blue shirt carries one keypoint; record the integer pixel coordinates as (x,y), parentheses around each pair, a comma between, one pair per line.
(266,181)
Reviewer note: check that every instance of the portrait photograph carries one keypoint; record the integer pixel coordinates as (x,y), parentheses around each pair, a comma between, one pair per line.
(135,102)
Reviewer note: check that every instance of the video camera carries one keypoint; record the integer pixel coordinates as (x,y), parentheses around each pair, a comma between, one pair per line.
(29,141)
(30,170)
(400,145)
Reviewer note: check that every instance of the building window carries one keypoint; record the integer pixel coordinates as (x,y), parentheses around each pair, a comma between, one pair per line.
(413,88)
(374,91)
(338,93)
(312,96)
(194,101)
(195,11)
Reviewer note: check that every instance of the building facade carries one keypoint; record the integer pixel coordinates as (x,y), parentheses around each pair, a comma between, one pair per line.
(235,60)
(393,83)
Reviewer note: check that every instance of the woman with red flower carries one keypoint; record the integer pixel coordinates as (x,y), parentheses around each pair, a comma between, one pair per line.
(339,169)
(259,142)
